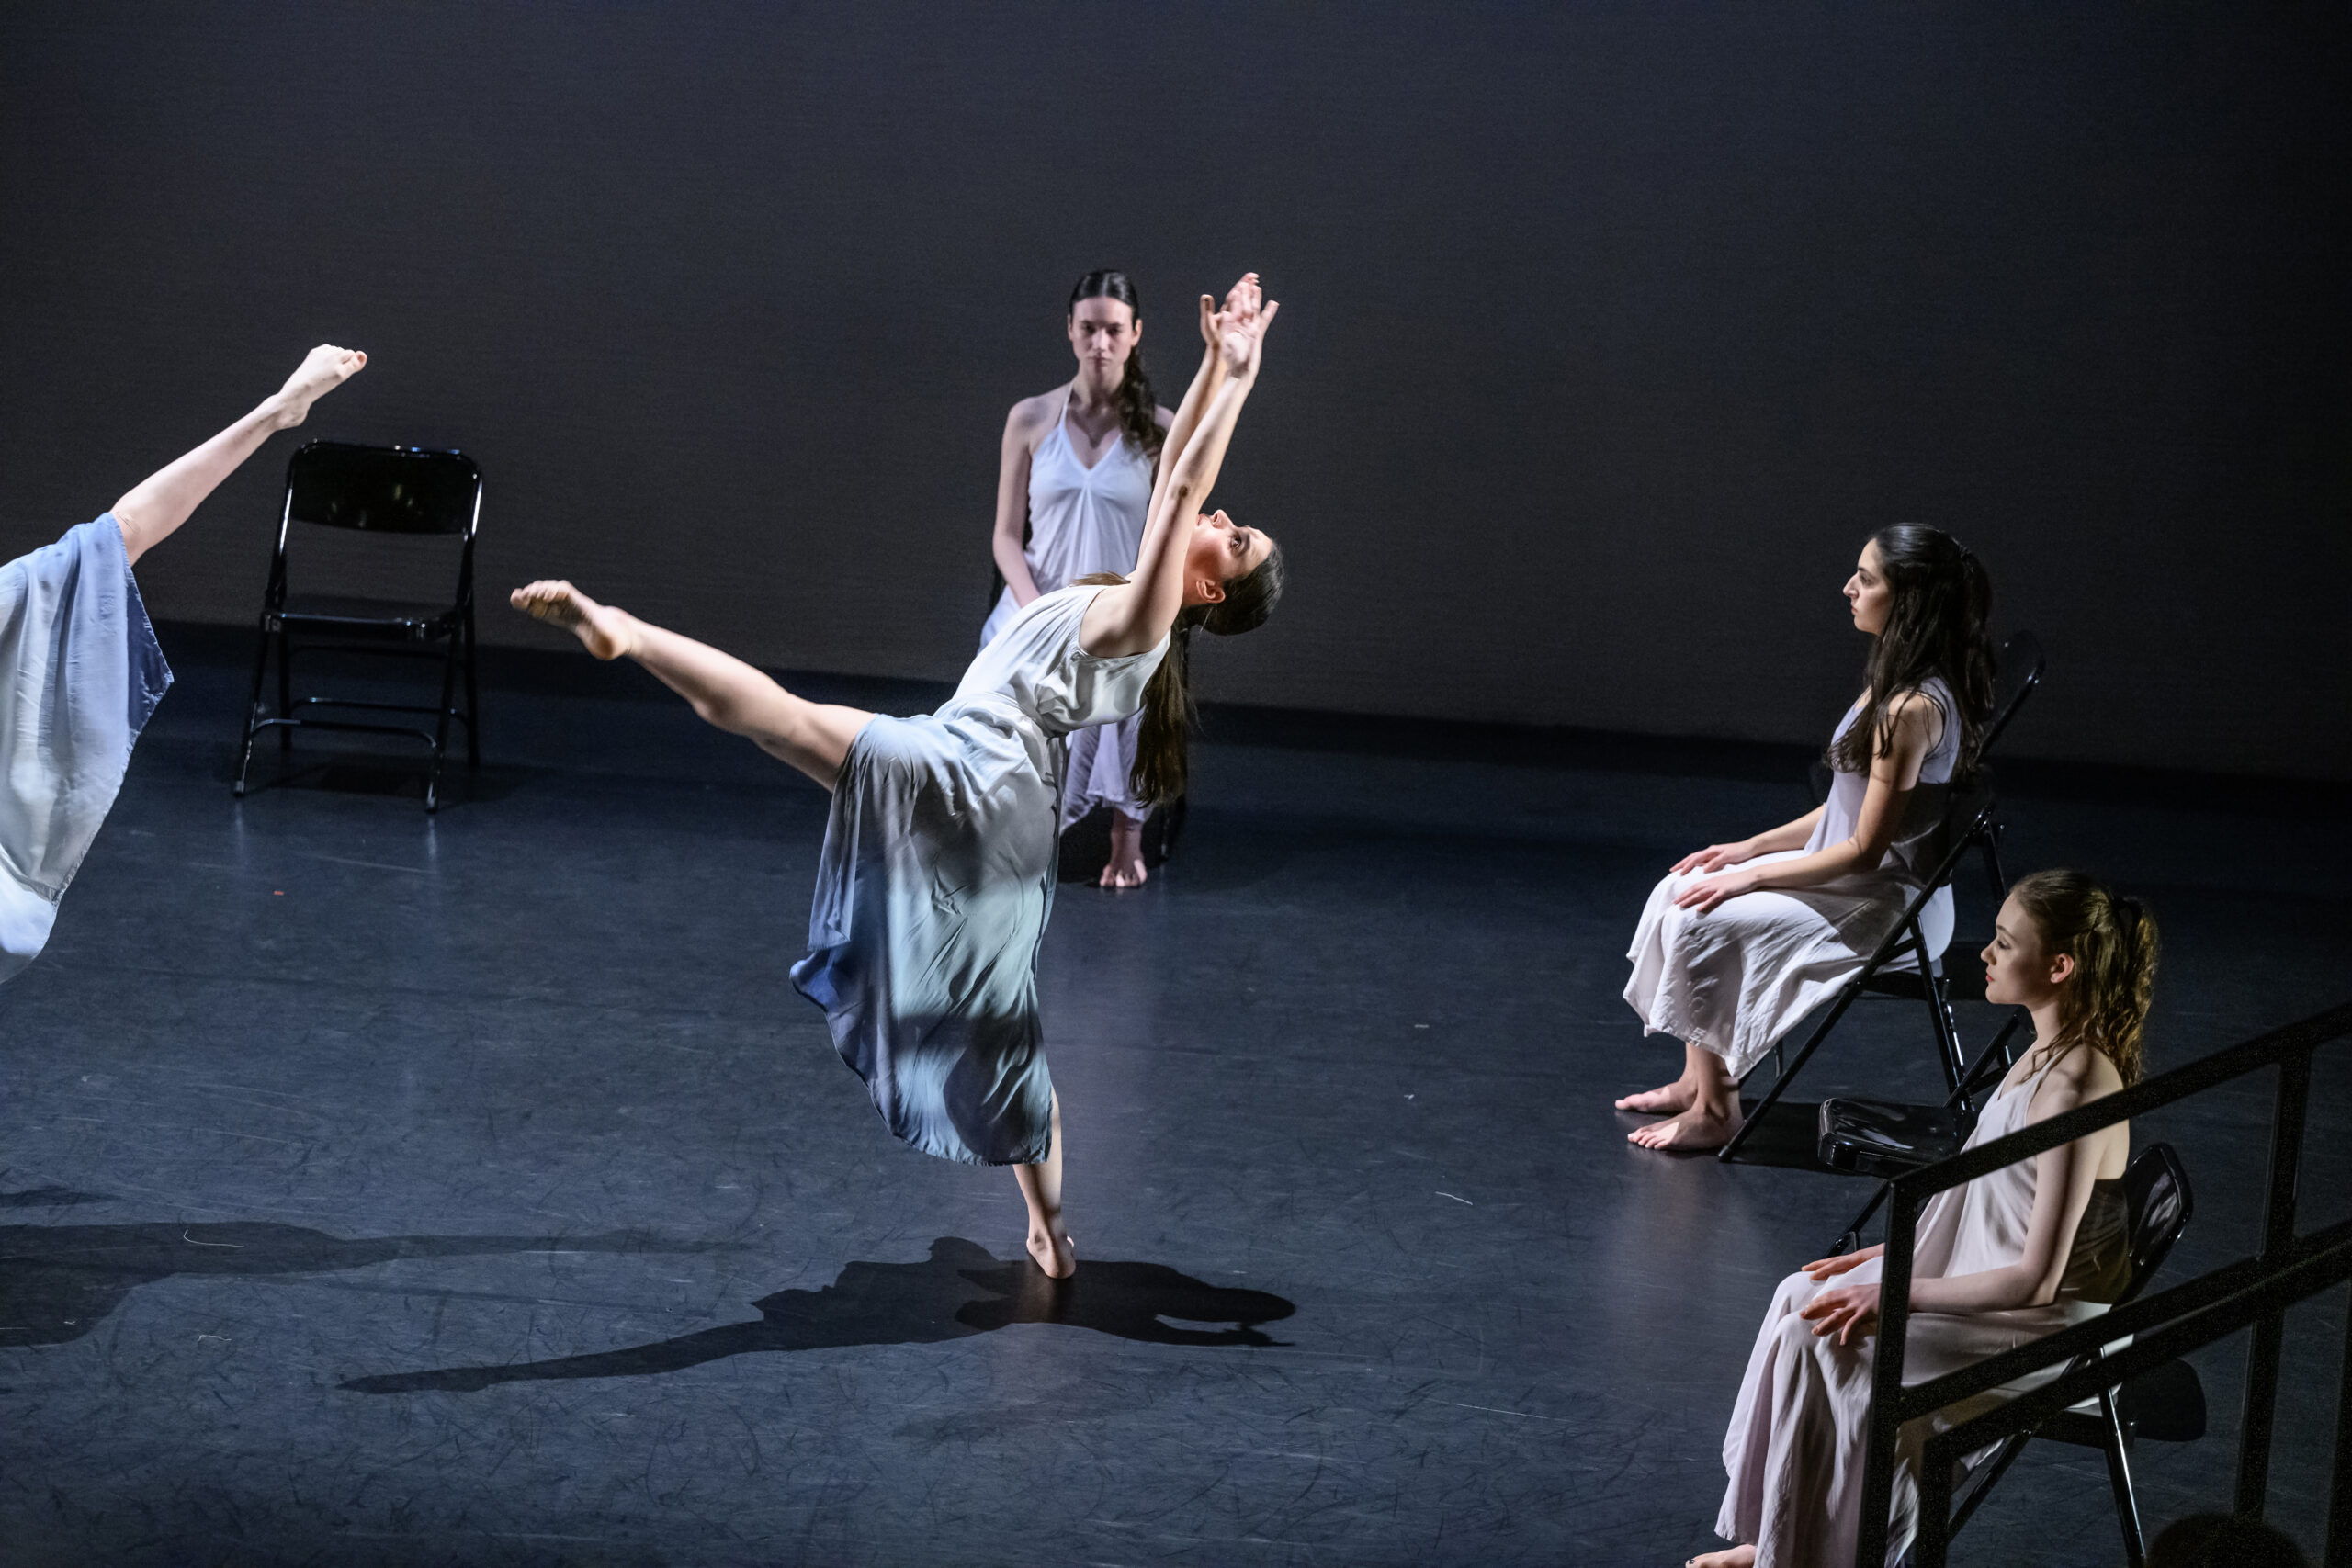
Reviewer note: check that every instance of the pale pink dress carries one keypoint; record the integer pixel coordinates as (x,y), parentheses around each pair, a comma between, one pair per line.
(1796,1447)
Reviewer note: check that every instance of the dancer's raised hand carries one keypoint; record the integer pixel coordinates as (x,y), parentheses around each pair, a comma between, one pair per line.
(1241,326)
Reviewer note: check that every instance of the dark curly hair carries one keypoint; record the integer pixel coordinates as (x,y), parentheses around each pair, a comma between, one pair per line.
(1940,602)
(1139,409)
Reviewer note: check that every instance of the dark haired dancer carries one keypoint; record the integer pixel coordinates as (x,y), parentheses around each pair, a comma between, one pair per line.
(80,668)
(1077,468)
(938,868)
(1740,941)
(2029,1249)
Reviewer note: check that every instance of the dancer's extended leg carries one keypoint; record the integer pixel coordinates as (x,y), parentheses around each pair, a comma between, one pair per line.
(813,736)
(1041,1189)
(162,501)
(1706,1120)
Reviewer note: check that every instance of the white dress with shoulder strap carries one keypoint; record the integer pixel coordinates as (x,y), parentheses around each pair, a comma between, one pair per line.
(1084,521)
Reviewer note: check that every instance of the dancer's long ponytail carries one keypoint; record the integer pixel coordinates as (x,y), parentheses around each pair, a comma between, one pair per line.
(1163,741)
(2112,940)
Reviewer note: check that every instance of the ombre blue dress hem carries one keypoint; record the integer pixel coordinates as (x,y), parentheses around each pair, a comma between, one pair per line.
(936,880)
(82,674)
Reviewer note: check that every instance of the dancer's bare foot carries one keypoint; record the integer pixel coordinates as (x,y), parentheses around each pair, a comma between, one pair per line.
(1126,867)
(1700,1127)
(323,369)
(1054,1254)
(604,630)
(1665,1101)
(1738,1557)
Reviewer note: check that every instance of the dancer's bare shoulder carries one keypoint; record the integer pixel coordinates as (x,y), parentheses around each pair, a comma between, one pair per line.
(1032,419)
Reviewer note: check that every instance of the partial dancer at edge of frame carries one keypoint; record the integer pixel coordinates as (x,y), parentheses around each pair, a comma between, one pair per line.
(1740,941)
(80,669)
(937,873)
(1076,466)
(2000,1261)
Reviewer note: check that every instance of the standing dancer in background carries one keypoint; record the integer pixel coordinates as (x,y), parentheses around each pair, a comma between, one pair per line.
(2029,1249)
(938,868)
(80,674)
(1077,465)
(1741,941)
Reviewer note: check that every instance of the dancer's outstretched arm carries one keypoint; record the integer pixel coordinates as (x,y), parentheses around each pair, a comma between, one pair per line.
(1206,381)
(813,736)
(162,501)
(1133,618)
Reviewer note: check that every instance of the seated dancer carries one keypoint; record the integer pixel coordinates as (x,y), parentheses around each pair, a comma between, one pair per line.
(80,667)
(938,866)
(1740,941)
(1077,469)
(2032,1248)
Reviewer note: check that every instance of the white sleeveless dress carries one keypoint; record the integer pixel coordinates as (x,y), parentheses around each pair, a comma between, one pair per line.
(1800,1427)
(1084,521)
(1734,980)
(936,879)
(80,674)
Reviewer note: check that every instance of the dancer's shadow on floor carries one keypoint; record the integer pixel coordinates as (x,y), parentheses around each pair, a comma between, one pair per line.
(961,1290)
(57,1282)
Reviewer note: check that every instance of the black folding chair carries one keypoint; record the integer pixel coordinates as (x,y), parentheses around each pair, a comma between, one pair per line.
(1969,823)
(379,489)
(1883,1138)
(2166,1404)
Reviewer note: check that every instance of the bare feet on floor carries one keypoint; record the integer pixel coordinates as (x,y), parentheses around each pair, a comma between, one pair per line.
(1738,1557)
(1126,867)
(1054,1254)
(1676,1096)
(604,629)
(1696,1128)
(323,369)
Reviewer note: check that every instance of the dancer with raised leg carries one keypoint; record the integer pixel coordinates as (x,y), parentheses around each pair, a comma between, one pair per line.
(79,666)
(937,872)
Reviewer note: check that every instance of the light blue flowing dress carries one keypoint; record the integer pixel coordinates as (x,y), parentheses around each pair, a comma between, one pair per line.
(83,676)
(936,879)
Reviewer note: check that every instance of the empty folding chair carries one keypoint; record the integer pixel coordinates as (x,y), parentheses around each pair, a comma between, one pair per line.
(376,489)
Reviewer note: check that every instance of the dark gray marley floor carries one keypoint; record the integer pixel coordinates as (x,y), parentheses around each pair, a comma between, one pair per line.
(391,1189)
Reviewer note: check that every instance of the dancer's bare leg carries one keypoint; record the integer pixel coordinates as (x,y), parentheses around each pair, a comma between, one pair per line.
(1667,1099)
(1709,1118)
(813,736)
(162,501)
(1126,867)
(1041,1189)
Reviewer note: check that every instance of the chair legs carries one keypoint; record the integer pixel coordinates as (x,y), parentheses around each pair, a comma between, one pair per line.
(253,708)
(2119,1480)
(474,702)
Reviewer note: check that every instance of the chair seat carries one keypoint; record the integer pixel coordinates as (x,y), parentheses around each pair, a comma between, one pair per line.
(351,614)
(1877,1138)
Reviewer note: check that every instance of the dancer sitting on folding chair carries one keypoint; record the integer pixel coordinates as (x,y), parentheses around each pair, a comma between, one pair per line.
(1742,940)
(2029,1249)
(80,668)
(938,868)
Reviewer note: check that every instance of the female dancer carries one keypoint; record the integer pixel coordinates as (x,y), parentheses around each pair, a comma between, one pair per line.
(2033,1247)
(81,669)
(1741,941)
(1077,465)
(937,871)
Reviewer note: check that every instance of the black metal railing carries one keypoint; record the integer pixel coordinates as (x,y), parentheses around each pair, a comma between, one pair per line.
(2256,1290)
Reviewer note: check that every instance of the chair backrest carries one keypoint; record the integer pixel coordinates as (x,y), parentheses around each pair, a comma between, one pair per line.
(383,490)
(1967,811)
(2157,1205)
(2016,675)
